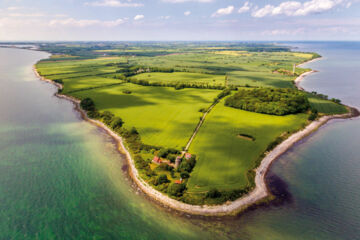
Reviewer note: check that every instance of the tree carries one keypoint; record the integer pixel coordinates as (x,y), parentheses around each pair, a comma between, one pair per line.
(176,190)
(87,104)
(162,179)
(213,193)
(117,123)
(184,175)
(107,117)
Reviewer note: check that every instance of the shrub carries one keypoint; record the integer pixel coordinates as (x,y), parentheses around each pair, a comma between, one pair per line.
(176,190)
(107,117)
(87,104)
(213,193)
(184,175)
(116,123)
(161,179)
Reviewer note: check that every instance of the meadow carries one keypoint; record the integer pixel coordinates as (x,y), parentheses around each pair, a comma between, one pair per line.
(229,144)
(224,165)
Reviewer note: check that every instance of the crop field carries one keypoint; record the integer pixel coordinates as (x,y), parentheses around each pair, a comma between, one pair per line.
(163,116)
(183,77)
(326,106)
(223,157)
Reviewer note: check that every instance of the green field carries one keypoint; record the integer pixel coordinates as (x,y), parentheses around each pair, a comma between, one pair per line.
(224,157)
(164,116)
(229,144)
(183,77)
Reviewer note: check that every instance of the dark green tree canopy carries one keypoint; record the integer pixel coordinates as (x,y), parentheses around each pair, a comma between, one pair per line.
(274,101)
(87,104)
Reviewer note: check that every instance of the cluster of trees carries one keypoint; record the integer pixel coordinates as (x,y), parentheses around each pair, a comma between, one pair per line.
(272,101)
(325,97)
(176,85)
(224,93)
(129,71)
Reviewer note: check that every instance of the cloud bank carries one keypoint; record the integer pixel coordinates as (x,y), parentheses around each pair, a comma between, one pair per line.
(294,8)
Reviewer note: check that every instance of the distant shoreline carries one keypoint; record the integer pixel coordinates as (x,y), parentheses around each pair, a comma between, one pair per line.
(258,194)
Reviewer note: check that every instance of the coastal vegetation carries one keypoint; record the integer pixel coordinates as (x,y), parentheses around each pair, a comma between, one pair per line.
(269,101)
(238,99)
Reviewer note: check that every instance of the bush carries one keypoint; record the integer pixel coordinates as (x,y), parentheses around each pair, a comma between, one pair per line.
(313,116)
(134,131)
(176,190)
(161,179)
(126,91)
(107,117)
(87,104)
(184,175)
(213,193)
(116,123)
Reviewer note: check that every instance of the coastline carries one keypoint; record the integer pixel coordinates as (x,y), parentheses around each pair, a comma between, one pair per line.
(259,193)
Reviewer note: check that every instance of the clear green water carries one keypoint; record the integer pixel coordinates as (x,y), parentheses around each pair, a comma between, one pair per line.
(61,178)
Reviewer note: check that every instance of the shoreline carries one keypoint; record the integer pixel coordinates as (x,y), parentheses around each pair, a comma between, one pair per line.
(258,194)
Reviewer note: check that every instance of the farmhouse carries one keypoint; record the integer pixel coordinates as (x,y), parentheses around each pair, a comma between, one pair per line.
(178,181)
(156,160)
(187,156)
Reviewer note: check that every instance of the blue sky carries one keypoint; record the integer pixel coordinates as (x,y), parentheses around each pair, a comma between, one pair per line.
(179,20)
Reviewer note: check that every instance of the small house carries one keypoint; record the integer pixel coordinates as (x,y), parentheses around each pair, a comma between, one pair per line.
(156,160)
(187,155)
(178,181)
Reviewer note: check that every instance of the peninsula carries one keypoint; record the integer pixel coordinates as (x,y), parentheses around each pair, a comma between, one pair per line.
(200,123)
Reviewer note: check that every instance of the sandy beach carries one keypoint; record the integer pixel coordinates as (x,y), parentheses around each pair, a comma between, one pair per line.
(259,193)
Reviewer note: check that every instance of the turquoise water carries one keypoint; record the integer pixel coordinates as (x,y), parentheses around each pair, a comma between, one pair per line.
(62,178)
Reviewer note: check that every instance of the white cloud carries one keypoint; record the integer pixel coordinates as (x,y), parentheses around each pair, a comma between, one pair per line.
(71,22)
(223,11)
(294,8)
(245,7)
(183,1)
(114,3)
(138,17)
(286,32)
(164,17)
(187,13)
(26,15)
(13,8)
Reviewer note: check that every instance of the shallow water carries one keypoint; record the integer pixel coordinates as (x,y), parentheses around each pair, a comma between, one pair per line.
(62,178)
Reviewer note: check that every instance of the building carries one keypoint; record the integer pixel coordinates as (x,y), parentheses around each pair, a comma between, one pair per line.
(178,181)
(187,155)
(177,161)
(156,160)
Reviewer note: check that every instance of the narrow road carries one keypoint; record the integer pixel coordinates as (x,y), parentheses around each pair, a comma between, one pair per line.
(198,126)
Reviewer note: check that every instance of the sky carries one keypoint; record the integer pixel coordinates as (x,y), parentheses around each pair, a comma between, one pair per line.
(166,20)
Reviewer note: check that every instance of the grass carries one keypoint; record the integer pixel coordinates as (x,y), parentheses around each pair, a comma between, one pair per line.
(183,77)
(326,106)
(223,157)
(163,116)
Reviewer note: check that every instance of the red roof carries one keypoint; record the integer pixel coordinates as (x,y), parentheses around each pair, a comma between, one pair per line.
(187,155)
(157,159)
(178,181)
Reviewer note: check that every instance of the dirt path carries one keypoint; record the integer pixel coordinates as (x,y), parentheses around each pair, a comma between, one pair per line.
(199,126)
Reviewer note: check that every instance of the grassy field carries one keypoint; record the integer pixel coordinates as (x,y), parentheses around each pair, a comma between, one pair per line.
(326,106)
(163,116)
(183,77)
(166,118)
(223,157)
